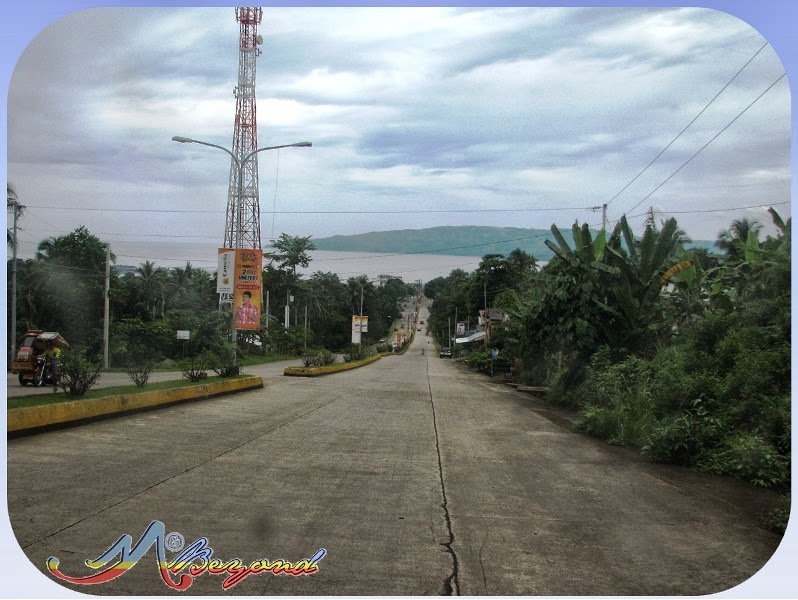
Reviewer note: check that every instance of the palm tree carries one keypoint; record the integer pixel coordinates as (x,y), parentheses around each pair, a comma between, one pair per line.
(734,239)
(152,279)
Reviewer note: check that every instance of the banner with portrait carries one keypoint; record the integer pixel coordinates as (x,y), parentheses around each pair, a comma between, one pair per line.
(248,288)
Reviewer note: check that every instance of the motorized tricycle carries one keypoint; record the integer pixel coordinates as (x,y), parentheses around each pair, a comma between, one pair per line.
(37,358)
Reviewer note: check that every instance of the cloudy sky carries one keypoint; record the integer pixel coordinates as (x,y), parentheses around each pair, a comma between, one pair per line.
(419,117)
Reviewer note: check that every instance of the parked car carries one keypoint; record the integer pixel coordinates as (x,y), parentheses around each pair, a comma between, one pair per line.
(446,353)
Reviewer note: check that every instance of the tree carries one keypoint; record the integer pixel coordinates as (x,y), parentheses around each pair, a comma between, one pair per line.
(643,267)
(72,271)
(291,252)
(733,240)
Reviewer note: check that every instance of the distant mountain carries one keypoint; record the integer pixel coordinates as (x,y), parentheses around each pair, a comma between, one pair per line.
(462,240)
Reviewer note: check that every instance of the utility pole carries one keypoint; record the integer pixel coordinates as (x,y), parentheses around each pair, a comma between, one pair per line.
(17,208)
(268,314)
(107,311)
(650,217)
(603,209)
(449,339)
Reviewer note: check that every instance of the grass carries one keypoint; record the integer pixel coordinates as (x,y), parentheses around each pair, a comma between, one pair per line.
(40,399)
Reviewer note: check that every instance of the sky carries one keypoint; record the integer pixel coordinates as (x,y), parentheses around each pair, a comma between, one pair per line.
(419,117)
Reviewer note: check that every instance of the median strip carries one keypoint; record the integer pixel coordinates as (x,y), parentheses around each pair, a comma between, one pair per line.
(326,370)
(74,411)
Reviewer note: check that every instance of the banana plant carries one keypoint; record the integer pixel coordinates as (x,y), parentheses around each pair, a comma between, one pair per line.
(642,266)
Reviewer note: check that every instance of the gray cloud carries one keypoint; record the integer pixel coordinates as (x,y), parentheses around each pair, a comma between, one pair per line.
(412,108)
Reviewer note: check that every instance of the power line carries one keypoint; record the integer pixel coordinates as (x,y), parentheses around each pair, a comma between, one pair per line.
(678,135)
(729,124)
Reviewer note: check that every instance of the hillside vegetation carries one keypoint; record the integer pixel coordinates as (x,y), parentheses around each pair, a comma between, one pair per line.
(683,353)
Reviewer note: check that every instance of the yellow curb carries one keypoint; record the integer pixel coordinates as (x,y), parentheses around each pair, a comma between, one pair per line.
(32,417)
(314,371)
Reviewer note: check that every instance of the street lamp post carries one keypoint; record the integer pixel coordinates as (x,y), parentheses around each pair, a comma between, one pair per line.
(240,163)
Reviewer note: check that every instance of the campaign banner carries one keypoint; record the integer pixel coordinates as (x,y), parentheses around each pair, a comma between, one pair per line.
(248,282)
(226,270)
(460,328)
(360,323)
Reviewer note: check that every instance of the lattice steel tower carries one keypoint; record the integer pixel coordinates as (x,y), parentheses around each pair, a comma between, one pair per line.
(242,228)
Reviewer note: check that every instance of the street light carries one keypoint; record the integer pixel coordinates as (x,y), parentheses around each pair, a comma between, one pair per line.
(240,166)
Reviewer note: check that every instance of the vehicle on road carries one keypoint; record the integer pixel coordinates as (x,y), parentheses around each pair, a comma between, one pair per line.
(37,361)
(446,353)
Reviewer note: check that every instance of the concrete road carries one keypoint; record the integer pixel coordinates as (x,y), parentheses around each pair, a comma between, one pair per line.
(416,477)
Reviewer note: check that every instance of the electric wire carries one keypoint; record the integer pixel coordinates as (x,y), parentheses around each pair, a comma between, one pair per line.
(678,135)
(729,124)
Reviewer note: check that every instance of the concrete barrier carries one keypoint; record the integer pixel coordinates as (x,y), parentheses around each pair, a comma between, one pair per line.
(59,413)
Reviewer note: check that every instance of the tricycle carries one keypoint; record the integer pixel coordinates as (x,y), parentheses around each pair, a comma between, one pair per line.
(37,361)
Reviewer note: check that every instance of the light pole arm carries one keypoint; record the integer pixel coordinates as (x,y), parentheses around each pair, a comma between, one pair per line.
(185,140)
(254,152)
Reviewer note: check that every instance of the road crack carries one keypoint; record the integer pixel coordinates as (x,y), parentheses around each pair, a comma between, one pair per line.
(451,584)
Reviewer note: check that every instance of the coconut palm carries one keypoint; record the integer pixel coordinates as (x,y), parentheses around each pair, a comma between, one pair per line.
(733,240)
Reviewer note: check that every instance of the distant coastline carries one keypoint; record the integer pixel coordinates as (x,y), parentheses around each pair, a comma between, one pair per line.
(464,240)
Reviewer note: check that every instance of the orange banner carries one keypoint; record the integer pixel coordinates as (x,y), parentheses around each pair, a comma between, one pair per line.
(248,286)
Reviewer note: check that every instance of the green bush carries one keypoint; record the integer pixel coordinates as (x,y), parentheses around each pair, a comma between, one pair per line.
(195,368)
(749,457)
(355,352)
(776,520)
(627,420)
(480,360)
(223,363)
(77,374)
(680,438)
(140,374)
(318,358)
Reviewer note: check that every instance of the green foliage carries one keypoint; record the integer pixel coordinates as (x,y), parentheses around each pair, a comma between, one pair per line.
(776,520)
(749,457)
(291,252)
(140,374)
(195,368)
(356,352)
(480,360)
(318,358)
(78,374)
(680,437)
(223,362)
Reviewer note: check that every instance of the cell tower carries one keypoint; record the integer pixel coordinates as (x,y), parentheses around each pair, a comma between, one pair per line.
(242,228)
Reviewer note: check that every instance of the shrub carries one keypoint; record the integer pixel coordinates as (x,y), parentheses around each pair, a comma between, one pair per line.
(140,374)
(776,520)
(223,364)
(194,368)
(78,374)
(749,457)
(480,360)
(318,358)
(626,420)
(680,438)
(355,352)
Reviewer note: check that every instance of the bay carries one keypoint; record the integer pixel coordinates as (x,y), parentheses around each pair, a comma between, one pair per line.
(410,267)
